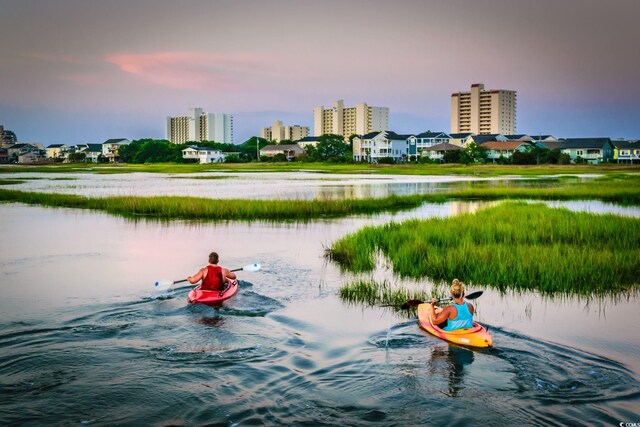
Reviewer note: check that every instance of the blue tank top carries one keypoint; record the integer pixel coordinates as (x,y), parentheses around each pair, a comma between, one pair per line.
(464,319)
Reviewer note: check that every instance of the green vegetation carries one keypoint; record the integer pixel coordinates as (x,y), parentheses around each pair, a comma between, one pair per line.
(215,209)
(12,181)
(370,292)
(510,246)
(621,188)
(331,168)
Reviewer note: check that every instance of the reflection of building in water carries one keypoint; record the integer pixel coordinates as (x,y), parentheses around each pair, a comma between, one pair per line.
(463,207)
(375,190)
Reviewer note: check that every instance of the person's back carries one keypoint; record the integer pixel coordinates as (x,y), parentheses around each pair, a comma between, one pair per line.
(213,281)
(464,318)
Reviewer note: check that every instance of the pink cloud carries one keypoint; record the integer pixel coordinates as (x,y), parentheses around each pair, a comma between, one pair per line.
(187,70)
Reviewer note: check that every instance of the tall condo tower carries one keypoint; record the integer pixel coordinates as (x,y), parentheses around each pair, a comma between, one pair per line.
(484,112)
(359,120)
(199,126)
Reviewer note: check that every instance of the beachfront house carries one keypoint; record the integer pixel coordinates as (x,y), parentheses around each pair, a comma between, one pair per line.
(460,139)
(504,149)
(111,147)
(31,157)
(290,151)
(91,151)
(57,151)
(626,151)
(425,140)
(589,150)
(437,152)
(376,146)
(203,154)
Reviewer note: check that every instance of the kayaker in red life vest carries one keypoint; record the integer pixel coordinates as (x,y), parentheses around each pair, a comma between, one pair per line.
(213,276)
(457,315)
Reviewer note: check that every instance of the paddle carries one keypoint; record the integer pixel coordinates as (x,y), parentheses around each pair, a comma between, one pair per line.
(166,284)
(416,302)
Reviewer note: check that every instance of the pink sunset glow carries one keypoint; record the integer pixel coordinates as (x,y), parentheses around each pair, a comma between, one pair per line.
(89,71)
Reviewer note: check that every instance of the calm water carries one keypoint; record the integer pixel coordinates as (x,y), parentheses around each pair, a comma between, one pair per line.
(86,340)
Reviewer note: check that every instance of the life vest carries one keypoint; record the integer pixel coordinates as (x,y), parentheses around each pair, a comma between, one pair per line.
(213,280)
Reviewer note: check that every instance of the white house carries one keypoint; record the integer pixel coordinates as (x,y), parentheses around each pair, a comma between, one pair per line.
(290,151)
(203,154)
(111,147)
(504,149)
(437,152)
(377,145)
(91,152)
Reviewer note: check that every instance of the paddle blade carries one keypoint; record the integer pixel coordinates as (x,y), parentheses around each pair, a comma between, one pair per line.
(252,267)
(474,295)
(411,303)
(163,285)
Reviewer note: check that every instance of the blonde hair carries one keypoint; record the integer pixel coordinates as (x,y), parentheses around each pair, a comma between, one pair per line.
(457,288)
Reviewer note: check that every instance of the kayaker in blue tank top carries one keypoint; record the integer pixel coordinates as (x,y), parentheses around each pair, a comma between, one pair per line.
(457,315)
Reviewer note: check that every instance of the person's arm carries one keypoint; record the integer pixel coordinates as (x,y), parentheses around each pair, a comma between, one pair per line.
(436,319)
(471,309)
(227,274)
(196,277)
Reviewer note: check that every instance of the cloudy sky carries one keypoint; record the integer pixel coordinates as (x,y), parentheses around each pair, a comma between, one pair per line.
(77,71)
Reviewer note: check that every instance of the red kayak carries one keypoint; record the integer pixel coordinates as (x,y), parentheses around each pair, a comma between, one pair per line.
(214,297)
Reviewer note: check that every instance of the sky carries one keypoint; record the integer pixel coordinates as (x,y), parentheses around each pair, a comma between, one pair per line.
(84,71)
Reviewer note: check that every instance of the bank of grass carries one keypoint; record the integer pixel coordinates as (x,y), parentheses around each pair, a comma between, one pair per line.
(622,189)
(487,170)
(514,245)
(171,207)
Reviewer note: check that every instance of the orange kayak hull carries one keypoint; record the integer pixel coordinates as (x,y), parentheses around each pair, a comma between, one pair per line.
(476,336)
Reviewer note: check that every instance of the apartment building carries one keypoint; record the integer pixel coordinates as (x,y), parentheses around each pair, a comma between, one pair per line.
(483,111)
(198,126)
(359,120)
(278,132)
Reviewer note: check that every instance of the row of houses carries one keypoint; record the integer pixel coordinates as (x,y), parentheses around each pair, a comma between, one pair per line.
(375,146)
(387,144)
(29,153)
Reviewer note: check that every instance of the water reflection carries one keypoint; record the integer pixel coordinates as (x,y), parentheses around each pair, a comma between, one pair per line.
(281,185)
(452,360)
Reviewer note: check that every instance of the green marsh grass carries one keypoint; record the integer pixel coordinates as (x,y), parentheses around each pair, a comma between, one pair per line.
(371,292)
(171,207)
(514,245)
(359,168)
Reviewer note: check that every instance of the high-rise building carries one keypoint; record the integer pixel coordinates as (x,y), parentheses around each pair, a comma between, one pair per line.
(278,132)
(7,137)
(199,126)
(359,120)
(484,112)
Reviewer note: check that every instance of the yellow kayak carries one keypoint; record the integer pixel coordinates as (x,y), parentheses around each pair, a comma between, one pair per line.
(476,336)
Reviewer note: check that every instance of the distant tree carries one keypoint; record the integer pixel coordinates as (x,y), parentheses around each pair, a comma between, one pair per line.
(452,156)
(248,149)
(564,159)
(552,156)
(523,158)
(233,158)
(386,160)
(474,153)
(77,157)
(279,157)
(331,147)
